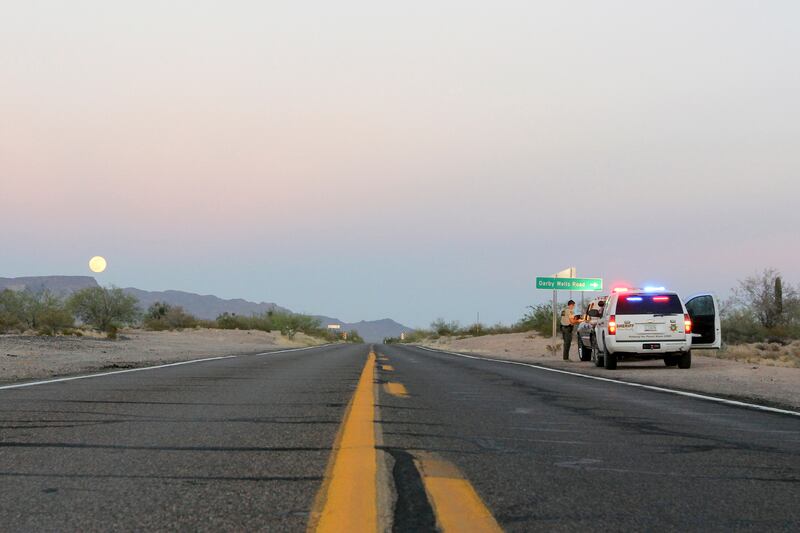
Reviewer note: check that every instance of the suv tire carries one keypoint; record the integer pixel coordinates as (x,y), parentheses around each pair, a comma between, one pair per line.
(610,361)
(584,353)
(685,360)
(670,360)
(596,357)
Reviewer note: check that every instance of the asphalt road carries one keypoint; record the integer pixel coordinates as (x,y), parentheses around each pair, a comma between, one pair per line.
(243,444)
(232,444)
(548,451)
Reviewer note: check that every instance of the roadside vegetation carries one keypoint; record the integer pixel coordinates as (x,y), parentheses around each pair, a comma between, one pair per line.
(107,310)
(537,319)
(41,312)
(763,309)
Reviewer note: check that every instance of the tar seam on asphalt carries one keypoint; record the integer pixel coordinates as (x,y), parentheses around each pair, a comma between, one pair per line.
(413,512)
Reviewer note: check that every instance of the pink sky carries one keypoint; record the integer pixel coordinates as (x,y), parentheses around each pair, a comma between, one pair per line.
(366,161)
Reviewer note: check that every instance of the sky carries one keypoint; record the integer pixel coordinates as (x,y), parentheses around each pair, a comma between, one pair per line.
(411,160)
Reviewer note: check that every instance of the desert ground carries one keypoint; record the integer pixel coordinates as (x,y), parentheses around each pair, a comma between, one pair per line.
(24,357)
(763,374)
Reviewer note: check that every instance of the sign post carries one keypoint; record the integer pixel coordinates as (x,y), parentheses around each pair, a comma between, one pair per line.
(566,280)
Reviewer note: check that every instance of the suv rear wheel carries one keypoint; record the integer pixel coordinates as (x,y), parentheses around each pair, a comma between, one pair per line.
(685,360)
(610,361)
(670,360)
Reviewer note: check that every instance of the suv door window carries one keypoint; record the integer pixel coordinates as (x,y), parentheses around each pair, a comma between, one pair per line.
(701,310)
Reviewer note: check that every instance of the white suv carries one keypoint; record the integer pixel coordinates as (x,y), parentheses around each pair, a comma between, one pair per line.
(655,324)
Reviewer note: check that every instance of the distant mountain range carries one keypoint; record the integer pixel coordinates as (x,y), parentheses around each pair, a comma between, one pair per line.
(202,306)
(59,285)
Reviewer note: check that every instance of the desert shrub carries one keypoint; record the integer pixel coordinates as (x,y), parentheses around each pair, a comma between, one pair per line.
(763,308)
(46,313)
(354,337)
(739,325)
(40,311)
(771,301)
(53,319)
(104,309)
(179,319)
(538,318)
(744,323)
(230,321)
(157,311)
(11,312)
(289,324)
(444,328)
(9,323)
(476,330)
(161,316)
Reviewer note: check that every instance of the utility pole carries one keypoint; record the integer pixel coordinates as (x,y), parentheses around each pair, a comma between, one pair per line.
(555,311)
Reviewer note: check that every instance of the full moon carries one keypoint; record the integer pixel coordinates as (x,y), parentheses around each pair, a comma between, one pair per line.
(97,264)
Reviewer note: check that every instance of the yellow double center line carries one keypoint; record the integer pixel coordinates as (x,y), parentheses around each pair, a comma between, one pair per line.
(348,498)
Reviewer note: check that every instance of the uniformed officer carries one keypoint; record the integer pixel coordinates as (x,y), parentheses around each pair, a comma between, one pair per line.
(568,321)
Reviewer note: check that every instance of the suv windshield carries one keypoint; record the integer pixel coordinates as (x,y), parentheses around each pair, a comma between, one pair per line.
(649,304)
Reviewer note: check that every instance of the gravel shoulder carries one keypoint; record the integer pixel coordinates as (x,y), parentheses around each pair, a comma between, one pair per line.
(26,357)
(753,382)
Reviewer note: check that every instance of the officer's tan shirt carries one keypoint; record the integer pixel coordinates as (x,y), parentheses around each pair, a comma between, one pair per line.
(566,317)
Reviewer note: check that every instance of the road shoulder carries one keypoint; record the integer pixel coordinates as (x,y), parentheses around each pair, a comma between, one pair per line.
(751,383)
(28,357)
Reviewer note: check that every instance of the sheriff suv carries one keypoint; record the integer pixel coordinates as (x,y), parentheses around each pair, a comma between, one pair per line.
(654,324)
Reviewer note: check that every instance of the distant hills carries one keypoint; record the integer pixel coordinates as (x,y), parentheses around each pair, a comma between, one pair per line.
(370,330)
(60,285)
(202,306)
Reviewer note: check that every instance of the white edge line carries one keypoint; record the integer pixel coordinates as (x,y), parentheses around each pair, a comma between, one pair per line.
(191,361)
(627,383)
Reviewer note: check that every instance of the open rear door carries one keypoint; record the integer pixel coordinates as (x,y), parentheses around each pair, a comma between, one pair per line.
(706,327)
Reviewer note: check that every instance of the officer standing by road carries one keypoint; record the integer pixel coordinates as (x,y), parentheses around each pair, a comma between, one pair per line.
(568,321)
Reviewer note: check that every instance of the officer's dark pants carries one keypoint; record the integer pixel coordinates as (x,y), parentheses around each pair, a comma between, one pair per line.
(566,332)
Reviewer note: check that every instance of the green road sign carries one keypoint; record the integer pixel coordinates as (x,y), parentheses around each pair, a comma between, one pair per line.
(570,284)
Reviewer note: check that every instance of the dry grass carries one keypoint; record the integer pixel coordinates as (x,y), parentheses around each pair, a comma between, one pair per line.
(769,354)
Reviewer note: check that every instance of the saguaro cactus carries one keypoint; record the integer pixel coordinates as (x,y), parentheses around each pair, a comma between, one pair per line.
(778,298)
